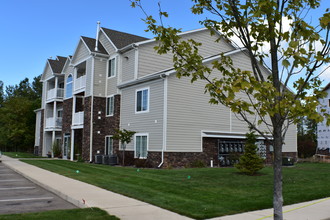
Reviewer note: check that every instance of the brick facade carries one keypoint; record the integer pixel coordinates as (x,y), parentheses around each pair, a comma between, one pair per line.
(67,116)
(102,125)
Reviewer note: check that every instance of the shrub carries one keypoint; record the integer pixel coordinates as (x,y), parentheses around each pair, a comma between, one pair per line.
(197,164)
(57,150)
(250,162)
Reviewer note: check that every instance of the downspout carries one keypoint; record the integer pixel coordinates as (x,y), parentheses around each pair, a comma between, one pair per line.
(163,76)
(91,120)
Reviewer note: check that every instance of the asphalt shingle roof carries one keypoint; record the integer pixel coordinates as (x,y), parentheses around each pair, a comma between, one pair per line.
(57,64)
(90,42)
(121,39)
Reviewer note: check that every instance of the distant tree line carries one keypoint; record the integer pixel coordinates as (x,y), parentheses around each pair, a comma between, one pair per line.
(307,137)
(17,117)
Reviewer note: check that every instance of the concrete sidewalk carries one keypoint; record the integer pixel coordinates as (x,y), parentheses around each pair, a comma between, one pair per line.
(127,208)
(75,192)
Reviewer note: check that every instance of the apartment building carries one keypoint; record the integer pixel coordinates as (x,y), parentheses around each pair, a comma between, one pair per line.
(118,81)
(323,131)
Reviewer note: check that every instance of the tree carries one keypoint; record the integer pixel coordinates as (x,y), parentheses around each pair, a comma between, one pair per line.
(125,137)
(307,139)
(295,51)
(250,162)
(17,119)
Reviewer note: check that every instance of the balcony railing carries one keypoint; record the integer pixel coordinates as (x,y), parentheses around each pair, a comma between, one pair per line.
(55,93)
(78,118)
(80,83)
(53,122)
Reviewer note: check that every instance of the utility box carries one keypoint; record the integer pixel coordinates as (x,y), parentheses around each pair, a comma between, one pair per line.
(98,159)
(113,160)
(287,161)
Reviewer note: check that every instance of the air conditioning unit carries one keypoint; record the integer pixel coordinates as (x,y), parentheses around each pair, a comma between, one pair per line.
(98,159)
(113,160)
(105,159)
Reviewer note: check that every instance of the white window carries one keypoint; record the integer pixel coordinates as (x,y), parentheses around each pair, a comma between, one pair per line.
(60,113)
(110,105)
(108,145)
(112,67)
(141,145)
(142,100)
(68,92)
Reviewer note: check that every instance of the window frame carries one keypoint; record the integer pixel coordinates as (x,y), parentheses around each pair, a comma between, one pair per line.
(107,111)
(109,75)
(106,150)
(135,145)
(66,86)
(136,100)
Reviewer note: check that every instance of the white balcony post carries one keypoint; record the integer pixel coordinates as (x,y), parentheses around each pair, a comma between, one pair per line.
(72,145)
(56,85)
(54,113)
(53,141)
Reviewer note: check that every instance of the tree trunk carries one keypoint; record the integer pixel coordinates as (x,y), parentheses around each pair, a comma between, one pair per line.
(278,198)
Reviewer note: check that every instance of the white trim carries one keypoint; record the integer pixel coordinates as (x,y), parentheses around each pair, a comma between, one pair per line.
(148,101)
(226,134)
(115,68)
(106,106)
(164,120)
(136,63)
(105,144)
(182,33)
(141,135)
(81,61)
(116,49)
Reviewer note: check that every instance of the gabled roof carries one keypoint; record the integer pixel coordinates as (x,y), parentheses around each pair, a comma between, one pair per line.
(90,43)
(326,87)
(121,39)
(57,64)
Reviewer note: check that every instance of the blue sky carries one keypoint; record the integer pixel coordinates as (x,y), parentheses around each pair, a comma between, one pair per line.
(34,30)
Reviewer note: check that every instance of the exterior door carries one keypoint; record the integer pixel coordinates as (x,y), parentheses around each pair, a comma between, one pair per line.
(67,146)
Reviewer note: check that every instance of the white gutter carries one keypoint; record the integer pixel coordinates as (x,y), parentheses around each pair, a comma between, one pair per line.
(91,121)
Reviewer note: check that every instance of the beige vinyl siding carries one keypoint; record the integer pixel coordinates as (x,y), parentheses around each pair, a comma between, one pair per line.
(48,72)
(44,94)
(128,65)
(37,129)
(106,43)
(290,143)
(80,54)
(100,74)
(150,61)
(89,81)
(112,81)
(189,112)
(150,122)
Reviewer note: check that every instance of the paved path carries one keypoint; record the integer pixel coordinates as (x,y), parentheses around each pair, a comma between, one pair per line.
(128,209)
(76,191)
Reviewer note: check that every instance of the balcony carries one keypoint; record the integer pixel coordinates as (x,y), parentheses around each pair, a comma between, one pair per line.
(55,94)
(53,123)
(80,83)
(78,119)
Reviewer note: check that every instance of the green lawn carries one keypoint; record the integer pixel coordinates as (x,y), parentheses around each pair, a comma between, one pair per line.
(20,155)
(200,192)
(71,214)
